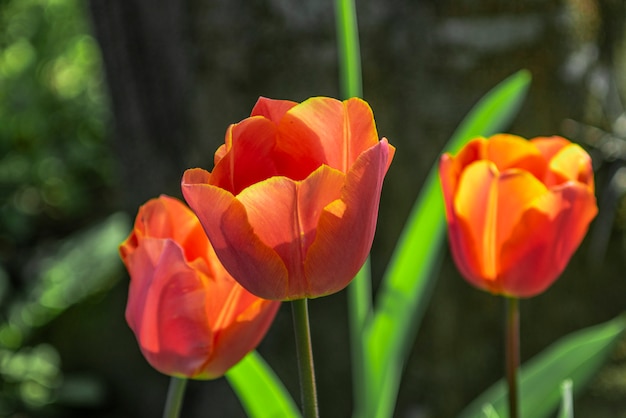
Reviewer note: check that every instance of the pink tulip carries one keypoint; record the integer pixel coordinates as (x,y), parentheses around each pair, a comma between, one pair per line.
(190,318)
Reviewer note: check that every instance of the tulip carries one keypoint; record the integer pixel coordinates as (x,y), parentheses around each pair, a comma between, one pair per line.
(292,201)
(516,210)
(190,318)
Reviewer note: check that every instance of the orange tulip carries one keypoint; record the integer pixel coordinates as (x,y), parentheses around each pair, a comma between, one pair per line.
(190,317)
(292,201)
(516,210)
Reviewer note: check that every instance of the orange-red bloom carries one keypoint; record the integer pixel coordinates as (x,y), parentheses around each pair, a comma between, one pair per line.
(190,317)
(292,202)
(516,210)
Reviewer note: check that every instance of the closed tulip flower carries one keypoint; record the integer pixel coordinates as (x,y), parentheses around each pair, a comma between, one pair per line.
(190,318)
(516,210)
(292,201)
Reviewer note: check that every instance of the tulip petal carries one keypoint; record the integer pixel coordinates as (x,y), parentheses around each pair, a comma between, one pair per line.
(256,266)
(166,308)
(549,145)
(547,235)
(464,250)
(489,205)
(570,163)
(511,151)
(475,150)
(247,158)
(242,332)
(272,109)
(167,217)
(284,215)
(451,167)
(476,207)
(516,190)
(322,130)
(207,201)
(346,227)
(272,213)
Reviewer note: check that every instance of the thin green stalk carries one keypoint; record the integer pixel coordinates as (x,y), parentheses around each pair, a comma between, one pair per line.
(359,312)
(349,51)
(360,290)
(300,311)
(175,395)
(512,355)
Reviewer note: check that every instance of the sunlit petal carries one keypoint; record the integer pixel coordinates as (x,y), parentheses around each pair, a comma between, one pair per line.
(516,190)
(476,203)
(166,309)
(183,306)
(516,210)
(292,202)
(545,239)
(249,158)
(225,220)
(346,227)
(548,146)
(570,163)
(510,151)
(326,131)
(257,266)
(272,109)
(240,334)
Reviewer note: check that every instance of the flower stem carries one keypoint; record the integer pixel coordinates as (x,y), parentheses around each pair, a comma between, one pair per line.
(175,394)
(304,351)
(512,354)
(349,50)
(359,312)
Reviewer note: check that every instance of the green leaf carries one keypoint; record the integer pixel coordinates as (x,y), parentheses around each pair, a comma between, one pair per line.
(493,112)
(410,275)
(259,390)
(577,357)
(567,401)
(489,412)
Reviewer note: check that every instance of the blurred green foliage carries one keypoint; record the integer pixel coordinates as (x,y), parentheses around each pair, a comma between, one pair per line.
(53,158)
(55,173)
(85,264)
(30,375)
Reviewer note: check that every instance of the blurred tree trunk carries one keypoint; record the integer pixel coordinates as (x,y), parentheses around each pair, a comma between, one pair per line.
(147,71)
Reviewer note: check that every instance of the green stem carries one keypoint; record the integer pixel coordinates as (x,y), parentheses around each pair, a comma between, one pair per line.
(512,354)
(175,394)
(359,312)
(300,311)
(349,51)
(360,290)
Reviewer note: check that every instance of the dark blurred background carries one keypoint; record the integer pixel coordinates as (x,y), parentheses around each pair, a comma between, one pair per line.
(104,103)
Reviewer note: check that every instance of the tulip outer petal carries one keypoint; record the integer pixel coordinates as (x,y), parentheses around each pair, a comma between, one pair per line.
(166,309)
(546,237)
(342,244)
(256,266)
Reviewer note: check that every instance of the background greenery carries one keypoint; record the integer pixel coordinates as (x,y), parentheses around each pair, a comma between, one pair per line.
(77,155)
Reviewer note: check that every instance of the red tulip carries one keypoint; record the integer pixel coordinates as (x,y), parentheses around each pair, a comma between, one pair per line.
(292,201)
(516,210)
(190,317)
